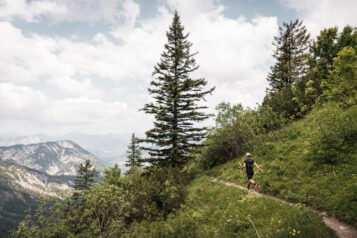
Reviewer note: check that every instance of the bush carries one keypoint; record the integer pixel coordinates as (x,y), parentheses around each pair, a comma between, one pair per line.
(332,130)
(238,130)
(108,208)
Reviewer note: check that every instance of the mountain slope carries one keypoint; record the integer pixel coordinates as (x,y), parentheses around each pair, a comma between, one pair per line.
(312,161)
(54,158)
(20,187)
(216,210)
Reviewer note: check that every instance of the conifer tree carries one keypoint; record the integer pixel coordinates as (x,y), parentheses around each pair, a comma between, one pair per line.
(176,105)
(134,152)
(291,55)
(86,175)
(75,207)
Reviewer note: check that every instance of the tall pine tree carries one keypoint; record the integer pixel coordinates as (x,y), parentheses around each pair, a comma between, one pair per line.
(291,56)
(134,152)
(176,105)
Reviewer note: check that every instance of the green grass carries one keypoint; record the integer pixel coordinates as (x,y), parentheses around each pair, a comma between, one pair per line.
(314,162)
(217,210)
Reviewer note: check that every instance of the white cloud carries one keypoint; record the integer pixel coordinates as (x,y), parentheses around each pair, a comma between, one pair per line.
(24,59)
(234,55)
(19,97)
(29,11)
(190,10)
(77,87)
(324,13)
(62,10)
(26,110)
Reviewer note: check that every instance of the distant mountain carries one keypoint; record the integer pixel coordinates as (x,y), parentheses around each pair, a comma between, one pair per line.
(53,158)
(20,187)
(24,140)
(109,147)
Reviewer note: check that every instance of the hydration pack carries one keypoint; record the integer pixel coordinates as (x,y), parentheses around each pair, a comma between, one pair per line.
(249,163)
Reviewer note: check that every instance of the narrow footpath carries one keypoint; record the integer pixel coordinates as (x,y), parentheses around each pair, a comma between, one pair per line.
(342,229)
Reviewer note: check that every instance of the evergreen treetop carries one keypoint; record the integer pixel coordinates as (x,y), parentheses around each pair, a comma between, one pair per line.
(86,176)
(291,54)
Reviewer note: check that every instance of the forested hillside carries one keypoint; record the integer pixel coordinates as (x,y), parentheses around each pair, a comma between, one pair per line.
(304,136)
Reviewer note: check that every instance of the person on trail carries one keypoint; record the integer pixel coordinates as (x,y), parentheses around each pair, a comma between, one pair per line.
(248,165)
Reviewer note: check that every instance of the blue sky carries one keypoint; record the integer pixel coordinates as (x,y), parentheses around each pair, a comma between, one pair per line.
(85,65)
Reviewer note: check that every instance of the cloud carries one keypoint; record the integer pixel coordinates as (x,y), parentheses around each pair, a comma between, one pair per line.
(234,55)
(19,97)
(62,61)
(24,106)
(64,10)
(321,14)
(190,10)
(77,87)
(26,59)
(29,10)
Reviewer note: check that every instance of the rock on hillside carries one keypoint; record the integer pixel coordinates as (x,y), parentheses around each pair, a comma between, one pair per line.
(20,187)
(30,180)
(53,158)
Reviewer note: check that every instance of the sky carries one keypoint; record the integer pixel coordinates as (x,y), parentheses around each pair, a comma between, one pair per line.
(85,65)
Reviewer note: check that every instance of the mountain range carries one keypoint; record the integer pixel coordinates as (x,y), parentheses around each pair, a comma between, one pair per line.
(53,158)
(28,172)
(109,147)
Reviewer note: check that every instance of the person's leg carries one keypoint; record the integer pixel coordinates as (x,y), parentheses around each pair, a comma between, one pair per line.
(256,185)
(250,178)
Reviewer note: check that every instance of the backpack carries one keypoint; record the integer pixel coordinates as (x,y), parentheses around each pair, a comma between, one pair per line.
(249,163)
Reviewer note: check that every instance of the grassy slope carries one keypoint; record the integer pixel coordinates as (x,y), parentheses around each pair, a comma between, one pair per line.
(294,167)
(216,210)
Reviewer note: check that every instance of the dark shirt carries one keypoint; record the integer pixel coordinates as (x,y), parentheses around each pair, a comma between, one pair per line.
(249,164)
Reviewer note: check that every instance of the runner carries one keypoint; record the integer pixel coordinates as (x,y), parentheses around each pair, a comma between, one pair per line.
(248,164)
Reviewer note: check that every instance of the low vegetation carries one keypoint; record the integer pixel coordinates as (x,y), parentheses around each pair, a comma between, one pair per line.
(216,210)
(312,161)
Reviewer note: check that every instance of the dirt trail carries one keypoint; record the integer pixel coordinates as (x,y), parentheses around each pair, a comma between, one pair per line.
(342,229)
